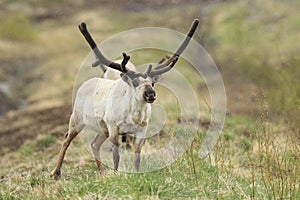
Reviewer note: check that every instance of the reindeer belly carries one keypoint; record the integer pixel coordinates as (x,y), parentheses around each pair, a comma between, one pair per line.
(126,128)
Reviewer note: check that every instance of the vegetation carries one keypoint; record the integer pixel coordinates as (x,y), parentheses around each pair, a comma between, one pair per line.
(17,27)
(254,45)
(266,169)
(257,42)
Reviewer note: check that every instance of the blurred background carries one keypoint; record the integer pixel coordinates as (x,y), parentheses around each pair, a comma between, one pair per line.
(255,45)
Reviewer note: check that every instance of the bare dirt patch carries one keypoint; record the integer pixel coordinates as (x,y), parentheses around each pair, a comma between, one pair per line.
(19,126)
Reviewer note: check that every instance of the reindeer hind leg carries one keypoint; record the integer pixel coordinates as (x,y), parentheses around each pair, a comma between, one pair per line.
(69,136)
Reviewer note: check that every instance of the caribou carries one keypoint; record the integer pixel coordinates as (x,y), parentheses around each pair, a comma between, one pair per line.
(116,107)
(112,74)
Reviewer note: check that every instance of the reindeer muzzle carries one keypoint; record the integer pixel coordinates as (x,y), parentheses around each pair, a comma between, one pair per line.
(149,95)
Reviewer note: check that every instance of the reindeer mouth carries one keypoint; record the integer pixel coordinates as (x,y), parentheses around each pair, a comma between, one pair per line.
(150,100)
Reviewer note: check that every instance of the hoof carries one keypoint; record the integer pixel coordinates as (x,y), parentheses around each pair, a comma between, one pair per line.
(101,172)
(55,174)
(101,175)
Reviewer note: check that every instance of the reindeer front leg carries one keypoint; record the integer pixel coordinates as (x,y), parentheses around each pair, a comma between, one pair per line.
(116,156)
(113,138)
(96,145)
(139,141)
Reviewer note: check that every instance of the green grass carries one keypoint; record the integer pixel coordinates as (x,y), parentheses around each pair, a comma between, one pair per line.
(37,145)
(226,174)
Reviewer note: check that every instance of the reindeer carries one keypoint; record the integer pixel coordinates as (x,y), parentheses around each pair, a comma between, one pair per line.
(116,107)
(112,74)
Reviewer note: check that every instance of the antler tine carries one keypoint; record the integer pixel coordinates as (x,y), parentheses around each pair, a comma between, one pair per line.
(186,41)
(161,64)
(173,59)
(148,70)
(101,58)
(159,71)
(124,62)
(162,60)
(101,66)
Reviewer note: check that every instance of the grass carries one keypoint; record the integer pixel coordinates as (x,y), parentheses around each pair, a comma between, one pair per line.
(261,170)
(278,159)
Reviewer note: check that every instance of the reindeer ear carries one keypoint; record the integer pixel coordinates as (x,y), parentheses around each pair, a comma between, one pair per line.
(126,79)
(135,82)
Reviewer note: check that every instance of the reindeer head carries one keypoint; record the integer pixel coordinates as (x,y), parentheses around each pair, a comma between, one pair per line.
(141,82)
(142,87)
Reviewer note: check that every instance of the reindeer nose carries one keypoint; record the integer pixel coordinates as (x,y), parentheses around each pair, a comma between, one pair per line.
(149,95)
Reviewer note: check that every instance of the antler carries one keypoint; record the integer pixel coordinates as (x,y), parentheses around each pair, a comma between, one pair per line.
(101,58)
(158,70)
(162,60)
(164,67)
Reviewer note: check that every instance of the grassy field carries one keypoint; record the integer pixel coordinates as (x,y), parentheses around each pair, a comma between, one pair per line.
(253,44)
